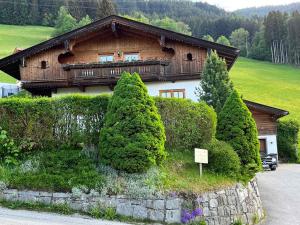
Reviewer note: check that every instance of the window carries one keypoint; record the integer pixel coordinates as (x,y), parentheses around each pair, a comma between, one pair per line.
(106,58)
(131,57)
(173,93)
(189,57)
(44,64)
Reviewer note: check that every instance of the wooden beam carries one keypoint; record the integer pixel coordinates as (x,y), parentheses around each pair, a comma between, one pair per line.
(162,41)
(23,62)
(114,29)
(69,44)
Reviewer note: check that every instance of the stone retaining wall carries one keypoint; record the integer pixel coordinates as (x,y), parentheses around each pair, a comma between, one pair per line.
(219,208)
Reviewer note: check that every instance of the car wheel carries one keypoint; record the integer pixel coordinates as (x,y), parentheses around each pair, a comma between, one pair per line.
(273,168)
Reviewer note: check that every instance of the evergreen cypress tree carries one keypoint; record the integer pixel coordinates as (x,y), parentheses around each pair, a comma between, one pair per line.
(237,127)
(133,136)
(215,85)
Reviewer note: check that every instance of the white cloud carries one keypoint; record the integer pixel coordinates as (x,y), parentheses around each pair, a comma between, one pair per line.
(231,5)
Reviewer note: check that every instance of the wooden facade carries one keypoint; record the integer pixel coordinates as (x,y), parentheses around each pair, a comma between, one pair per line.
(74,59)
(265,122)
(81,65)
(266,117)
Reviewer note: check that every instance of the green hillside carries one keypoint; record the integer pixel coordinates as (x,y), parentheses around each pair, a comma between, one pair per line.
(275,85)
(21,37)
(266,83)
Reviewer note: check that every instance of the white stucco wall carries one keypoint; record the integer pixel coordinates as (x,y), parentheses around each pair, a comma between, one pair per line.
(8,89)
(271,142)
(153,88)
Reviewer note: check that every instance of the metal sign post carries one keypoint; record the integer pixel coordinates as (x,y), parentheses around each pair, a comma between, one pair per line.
(201,156)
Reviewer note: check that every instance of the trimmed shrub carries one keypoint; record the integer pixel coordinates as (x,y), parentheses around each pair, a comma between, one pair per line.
(223,159)
(287,139)
(187,124)
(237,127)
(133,136)
(36,123)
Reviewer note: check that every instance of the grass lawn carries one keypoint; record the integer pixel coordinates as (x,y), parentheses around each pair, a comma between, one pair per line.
(183,175)
(266,83)
(21,37)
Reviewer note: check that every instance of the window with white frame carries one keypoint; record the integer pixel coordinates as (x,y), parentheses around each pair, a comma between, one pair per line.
(106,58)
(172,93)
(130,57)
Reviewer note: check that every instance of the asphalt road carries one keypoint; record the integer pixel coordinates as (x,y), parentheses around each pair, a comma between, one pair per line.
(280,194)
(23,217)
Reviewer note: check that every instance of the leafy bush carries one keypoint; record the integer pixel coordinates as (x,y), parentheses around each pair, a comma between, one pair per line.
(133,137)
(9,152)
(58,170)
(37,123)
(287,139)
(223,159)
(237,127)
(187,124)
(99,211)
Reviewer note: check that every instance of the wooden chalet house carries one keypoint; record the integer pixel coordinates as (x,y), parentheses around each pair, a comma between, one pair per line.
(91,59)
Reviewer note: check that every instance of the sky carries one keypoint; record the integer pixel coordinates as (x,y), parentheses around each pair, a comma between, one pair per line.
(231,5)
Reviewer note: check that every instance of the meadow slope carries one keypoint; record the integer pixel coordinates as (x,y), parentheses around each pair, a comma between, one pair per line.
(263,82)
(266,83)
(21,37)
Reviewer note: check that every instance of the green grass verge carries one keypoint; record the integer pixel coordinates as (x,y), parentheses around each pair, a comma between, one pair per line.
(21,37)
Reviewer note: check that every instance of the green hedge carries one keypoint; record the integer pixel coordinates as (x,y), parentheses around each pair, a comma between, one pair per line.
(187,124)
(42,122)
(287,136)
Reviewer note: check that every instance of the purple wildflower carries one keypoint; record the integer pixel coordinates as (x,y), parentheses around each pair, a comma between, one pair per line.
(186,216)
(197,212)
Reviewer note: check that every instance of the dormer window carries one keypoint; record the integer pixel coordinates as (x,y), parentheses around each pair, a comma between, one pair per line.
(43,64)
(189,57)
(130,57)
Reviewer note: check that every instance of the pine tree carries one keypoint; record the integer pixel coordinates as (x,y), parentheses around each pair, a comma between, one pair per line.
(237,127)
(105,8)
(133,137)
(65,22)
(215,85)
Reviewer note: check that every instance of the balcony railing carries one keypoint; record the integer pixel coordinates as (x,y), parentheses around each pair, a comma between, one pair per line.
(108,72)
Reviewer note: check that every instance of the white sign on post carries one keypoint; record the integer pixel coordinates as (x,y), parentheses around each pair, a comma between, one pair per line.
(201,156)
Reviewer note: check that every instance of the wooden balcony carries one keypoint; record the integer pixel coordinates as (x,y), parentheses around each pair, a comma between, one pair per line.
(109,73)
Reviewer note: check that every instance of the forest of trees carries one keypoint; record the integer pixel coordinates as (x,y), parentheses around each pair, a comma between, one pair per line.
(275,37)
(44,12)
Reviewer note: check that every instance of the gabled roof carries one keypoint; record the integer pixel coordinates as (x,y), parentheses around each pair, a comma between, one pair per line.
(275,112)
(10,64)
